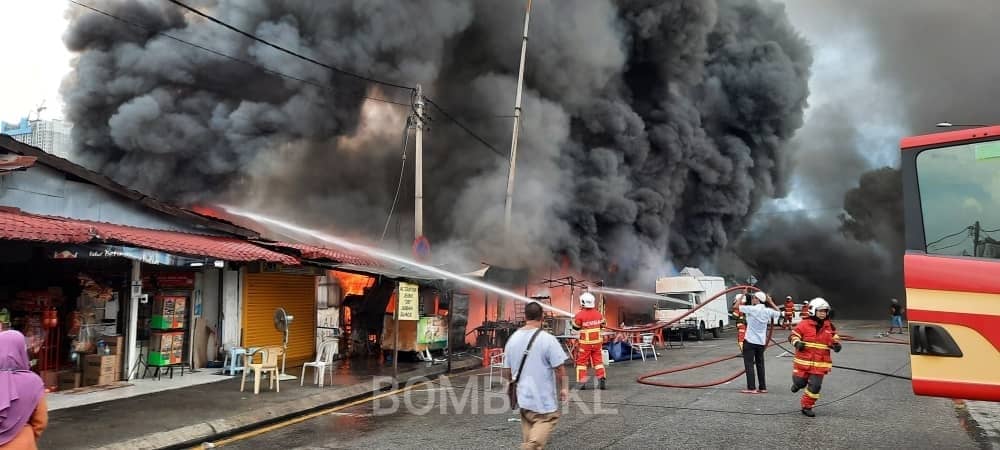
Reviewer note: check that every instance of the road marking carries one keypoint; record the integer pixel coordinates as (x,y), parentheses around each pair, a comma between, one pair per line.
(293,421)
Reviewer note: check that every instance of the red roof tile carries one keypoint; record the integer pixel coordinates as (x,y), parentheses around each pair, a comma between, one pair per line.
(15,225)
(329,254)
(10,163)
(225,248)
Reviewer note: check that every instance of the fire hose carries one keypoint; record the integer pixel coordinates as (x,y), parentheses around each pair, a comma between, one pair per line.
(661,325)
(645,378)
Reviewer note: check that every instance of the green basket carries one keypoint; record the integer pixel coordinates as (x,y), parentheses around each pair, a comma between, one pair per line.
(159,359)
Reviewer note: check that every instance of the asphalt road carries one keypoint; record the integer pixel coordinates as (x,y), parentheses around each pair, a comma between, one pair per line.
(858,410)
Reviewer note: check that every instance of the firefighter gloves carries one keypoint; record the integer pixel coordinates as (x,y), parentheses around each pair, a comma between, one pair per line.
(799,345)
(836,347)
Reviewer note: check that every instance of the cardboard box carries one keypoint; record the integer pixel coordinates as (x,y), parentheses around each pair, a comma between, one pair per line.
(69,379)
(90,379)
(100,369)
(116,344)
(169,311)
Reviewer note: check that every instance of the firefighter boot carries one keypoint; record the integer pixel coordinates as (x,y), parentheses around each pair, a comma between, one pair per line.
(601,383)
(795,387)
(808,412)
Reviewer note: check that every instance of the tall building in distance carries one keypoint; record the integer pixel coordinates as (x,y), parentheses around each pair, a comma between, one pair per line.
(53,136)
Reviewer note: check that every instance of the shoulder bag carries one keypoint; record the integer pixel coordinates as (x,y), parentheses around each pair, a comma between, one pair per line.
(512,386)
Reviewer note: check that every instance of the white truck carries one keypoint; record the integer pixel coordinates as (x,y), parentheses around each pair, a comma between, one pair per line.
(685,291)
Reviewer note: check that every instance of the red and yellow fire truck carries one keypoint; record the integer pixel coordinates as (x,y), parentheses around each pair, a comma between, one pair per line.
(951,207)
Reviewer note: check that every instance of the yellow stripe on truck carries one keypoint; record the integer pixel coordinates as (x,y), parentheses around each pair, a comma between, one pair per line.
(980,361)
(953,301)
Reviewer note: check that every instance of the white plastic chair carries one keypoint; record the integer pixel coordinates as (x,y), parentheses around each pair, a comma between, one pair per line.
(645,342)
(324,360)
(497,361)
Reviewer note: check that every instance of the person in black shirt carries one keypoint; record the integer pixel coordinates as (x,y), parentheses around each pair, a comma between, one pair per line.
(896,316)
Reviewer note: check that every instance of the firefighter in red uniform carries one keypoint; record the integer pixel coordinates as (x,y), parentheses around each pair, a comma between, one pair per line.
(804,312)
(589,321)
(789,313)
(813,338)
(740,319)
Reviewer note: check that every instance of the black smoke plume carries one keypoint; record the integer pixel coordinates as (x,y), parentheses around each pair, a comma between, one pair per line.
(652,130)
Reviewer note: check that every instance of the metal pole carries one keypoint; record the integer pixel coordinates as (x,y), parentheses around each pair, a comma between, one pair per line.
(517,123)
(451,309)
(132,328)
(395,337)
(975,239)
(418,165)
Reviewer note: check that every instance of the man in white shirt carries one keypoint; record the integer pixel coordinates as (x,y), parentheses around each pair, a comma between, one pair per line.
(541,378)
(758,316)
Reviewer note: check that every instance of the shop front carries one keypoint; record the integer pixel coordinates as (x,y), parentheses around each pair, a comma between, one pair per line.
(268,289)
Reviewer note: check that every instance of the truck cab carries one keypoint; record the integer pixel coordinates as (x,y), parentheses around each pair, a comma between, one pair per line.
(690,288)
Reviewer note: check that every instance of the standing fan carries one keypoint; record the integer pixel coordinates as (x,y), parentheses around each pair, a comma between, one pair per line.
(283,322)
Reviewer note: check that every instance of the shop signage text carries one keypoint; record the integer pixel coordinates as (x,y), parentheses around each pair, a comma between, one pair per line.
(409,302)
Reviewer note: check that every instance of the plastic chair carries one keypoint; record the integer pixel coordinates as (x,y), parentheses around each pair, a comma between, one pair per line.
(645,342)
(324,360)
(497,361)
(268,365)
(234,360)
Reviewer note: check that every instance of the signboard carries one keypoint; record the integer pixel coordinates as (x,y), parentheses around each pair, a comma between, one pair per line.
(408,301)
(116,251)
(432,330)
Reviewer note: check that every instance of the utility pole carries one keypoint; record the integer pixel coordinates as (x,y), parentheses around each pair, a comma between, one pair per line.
(418,166)
(517,123)
(975,239)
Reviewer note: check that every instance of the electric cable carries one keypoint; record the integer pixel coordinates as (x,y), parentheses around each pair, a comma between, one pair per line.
(466,129)
(285,50)
(399,184)
(950,246)
(224,55)
(966,229)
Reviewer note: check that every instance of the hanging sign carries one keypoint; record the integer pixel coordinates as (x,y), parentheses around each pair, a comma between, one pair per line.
(408,301)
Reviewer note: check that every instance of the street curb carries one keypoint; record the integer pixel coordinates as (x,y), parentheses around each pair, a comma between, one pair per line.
(195,435)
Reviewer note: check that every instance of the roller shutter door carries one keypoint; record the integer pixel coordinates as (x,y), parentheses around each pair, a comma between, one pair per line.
(266,292)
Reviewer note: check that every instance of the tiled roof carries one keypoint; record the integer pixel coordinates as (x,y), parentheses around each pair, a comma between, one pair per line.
(10,163)
(16,225)
(328,254)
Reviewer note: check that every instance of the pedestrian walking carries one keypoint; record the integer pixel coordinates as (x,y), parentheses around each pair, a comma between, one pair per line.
(895,316)
(813,339)
(23,413)
(758,316)
(535,363)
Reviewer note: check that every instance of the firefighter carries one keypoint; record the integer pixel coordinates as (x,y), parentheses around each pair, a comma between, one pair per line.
(813,338)
(789,313)
(740,319)
(589,321)
(804,312)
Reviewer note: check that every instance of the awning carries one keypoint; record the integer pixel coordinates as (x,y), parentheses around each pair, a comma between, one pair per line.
(19,226)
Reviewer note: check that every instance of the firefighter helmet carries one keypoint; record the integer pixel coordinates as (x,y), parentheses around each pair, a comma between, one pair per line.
(739,299)
(817,304)
(587,300)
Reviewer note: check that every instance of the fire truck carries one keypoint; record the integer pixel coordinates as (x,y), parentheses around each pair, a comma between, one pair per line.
(951,210)
(686,290)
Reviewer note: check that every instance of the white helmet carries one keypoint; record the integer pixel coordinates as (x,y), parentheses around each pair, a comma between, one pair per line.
(587,300)
(762,297)
(817,304)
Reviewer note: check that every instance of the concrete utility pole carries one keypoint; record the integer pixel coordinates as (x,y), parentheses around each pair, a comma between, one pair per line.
(418,166)
(517,123)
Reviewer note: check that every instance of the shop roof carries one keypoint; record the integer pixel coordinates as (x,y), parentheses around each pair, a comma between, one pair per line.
(8,144)
(225,248)
(20,226)
(10,163)
(331,254)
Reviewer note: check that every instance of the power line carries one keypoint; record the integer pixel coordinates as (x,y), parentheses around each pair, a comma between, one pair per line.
(224,55)
(963,230)
(952,245)
(790,211)
(295,54)
(465,128)
(399,184)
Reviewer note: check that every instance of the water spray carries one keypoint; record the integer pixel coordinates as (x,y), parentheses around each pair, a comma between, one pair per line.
(638,294)
(381,254)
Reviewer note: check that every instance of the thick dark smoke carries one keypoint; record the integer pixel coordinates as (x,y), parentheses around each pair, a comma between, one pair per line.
(652,130)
